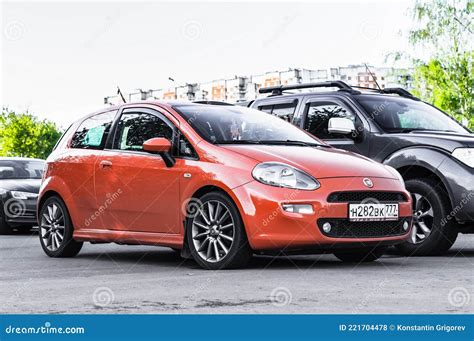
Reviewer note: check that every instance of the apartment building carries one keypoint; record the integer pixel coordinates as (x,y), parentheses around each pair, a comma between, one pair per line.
(241,88)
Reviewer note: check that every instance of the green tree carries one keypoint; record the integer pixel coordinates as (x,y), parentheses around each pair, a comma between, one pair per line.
(444,29)
(25,135)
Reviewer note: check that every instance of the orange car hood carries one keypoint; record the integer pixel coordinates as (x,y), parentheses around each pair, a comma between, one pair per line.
(319,162)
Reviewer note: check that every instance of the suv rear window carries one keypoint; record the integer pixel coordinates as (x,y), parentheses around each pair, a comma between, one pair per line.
(93,132)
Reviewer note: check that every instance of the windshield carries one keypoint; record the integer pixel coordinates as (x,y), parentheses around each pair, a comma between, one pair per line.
(19,169)
(231,124)
(395,114)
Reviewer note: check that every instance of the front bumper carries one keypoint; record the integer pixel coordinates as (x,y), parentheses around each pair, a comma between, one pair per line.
(18,212)
(269,227)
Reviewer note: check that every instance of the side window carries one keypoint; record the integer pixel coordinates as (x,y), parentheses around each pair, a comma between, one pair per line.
(285,111)
(266,108)
(318,118)
(58,142)
(183,148)
(93,132)
(134,128)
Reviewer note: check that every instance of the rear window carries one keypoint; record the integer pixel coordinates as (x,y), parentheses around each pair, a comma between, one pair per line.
(93,132)
(21,169)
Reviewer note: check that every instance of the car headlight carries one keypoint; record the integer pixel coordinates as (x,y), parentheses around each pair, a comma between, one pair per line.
(465,155)
(396,173)
(23,195)
(282,175)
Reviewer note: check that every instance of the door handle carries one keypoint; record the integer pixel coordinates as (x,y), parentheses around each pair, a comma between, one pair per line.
(105,164)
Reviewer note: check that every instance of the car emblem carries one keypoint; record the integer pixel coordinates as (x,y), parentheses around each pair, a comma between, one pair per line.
(368,182)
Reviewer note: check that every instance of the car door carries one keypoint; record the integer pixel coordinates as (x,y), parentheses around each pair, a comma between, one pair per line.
(136,189)
(77,167)
(316,115)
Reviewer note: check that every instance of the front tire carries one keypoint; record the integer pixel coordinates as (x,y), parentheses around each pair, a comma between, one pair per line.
(56,230)
(431,234)
(215,233)
(365,255)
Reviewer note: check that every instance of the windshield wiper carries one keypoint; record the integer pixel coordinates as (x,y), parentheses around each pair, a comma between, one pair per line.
(275,142)
(237,142)
(293,143)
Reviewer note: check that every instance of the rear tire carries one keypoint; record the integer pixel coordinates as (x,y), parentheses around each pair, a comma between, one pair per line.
(5,229)
(56,230)
(365,255)
(215,233)
(430,235)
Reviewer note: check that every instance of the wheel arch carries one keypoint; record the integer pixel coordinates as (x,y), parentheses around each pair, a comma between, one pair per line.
(46,195)
(208,189)
(199,193)
(220,188)
(56,186)
(419,163)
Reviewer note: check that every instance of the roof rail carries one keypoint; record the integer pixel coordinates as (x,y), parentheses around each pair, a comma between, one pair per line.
(400,92)
(278,90)
(397,91)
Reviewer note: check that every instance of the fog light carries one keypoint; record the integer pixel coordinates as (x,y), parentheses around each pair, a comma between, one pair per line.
(327,227)
(405,225)
(300,208)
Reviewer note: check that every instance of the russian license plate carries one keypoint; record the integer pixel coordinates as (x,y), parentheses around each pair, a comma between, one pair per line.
(373,212)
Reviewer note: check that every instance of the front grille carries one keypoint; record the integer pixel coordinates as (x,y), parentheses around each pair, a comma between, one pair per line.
(343,228)
(359,196)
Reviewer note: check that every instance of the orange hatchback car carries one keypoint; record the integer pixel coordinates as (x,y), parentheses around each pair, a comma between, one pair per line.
(217,182)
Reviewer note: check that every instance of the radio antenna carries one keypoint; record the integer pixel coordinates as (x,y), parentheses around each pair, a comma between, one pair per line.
(373,77)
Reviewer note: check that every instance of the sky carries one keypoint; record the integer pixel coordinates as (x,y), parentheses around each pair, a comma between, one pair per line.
(60,59)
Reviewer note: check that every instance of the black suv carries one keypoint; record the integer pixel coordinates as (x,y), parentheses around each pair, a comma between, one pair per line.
(433,152)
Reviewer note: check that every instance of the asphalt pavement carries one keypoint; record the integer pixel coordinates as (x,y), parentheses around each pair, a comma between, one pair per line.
(109,278)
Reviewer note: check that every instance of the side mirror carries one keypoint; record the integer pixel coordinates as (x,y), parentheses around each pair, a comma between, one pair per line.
(160,146)
(157,145)
(339,125)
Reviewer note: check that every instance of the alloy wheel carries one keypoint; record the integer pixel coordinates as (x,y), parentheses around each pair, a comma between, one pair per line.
(213,231)
(52,226)
(423,217)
